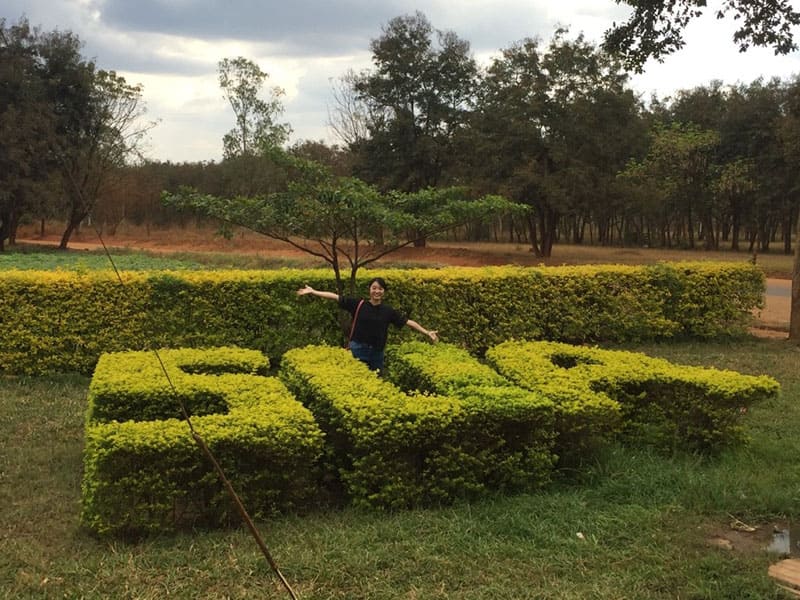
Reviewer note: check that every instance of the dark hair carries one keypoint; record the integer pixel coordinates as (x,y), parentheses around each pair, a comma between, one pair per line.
(379,281)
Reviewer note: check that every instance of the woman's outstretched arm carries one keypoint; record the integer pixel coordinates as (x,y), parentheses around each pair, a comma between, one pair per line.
(434,335)
(307,289)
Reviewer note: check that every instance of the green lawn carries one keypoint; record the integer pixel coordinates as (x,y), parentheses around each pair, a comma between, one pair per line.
(644,520)
(34,257)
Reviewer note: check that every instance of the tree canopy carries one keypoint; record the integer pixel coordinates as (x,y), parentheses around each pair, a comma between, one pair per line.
(342,220)
(655,28)
(65,125)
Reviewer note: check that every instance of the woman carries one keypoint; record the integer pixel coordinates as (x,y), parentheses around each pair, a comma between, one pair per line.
(371,319)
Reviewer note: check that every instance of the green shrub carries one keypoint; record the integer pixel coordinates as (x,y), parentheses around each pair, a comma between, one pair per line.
(661,404)
(143,471)
(386,448)
(58,321)
(511,430)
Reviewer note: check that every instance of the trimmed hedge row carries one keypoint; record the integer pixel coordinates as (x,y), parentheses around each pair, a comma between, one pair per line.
(662,404)
(63,321)
(143,472)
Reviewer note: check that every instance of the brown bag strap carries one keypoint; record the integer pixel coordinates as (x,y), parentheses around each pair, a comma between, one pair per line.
(353,326)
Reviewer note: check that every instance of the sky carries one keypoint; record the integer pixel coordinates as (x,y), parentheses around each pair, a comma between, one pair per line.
(173,47)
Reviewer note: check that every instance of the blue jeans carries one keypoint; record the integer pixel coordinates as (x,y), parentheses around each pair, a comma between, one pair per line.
(367,354)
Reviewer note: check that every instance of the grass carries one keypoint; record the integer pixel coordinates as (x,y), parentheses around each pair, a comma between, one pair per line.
(246,249)
(644,520)
(30,257)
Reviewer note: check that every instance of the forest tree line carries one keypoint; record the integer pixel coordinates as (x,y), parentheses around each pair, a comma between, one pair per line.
(552,125)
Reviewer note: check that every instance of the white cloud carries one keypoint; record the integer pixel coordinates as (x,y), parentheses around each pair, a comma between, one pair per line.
(173,48)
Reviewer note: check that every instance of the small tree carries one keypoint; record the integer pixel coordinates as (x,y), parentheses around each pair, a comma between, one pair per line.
(103,130)
(256,128)
(342,220)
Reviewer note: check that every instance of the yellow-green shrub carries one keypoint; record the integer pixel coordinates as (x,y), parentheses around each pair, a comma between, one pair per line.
(386,448)
(59,321)
(511,430)
(144,473)
(662,404)
(586,419)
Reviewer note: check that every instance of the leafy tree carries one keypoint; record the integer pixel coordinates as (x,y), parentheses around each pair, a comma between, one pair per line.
(247,168)
(343,220)
(702,106)
(735,186)
(26,128)
(655,28)
(339,160)
(100,129)
(680,161)
(750,132)
(416,98)
(66,125)
(551,129)
(256,128)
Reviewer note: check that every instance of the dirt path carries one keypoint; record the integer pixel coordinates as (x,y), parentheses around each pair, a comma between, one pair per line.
(777,307)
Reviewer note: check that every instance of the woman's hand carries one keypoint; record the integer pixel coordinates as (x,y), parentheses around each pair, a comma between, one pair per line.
(434,335)
(306,289)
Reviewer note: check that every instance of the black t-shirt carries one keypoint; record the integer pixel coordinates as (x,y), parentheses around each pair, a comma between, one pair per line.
(372,323)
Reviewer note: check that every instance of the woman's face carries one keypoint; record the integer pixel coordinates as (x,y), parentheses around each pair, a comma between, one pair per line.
(375,292)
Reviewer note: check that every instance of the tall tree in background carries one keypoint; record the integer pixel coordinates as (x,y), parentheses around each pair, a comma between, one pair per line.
(750,131)
(26,126)
(655,30)
(100,130)
(416,98)
(256,119)
(552,128)
(349,116)
(248,167)
(63,122)
(680,161)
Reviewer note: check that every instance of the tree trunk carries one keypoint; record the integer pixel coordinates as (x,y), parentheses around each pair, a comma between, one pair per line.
(794,318)
(533,235)
(735,227)
(66,235)
(709,236)
(548,219)
(787,231)
(74,221)
(12,229)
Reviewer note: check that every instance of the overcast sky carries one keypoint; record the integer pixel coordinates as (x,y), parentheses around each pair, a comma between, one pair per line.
(172,48)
